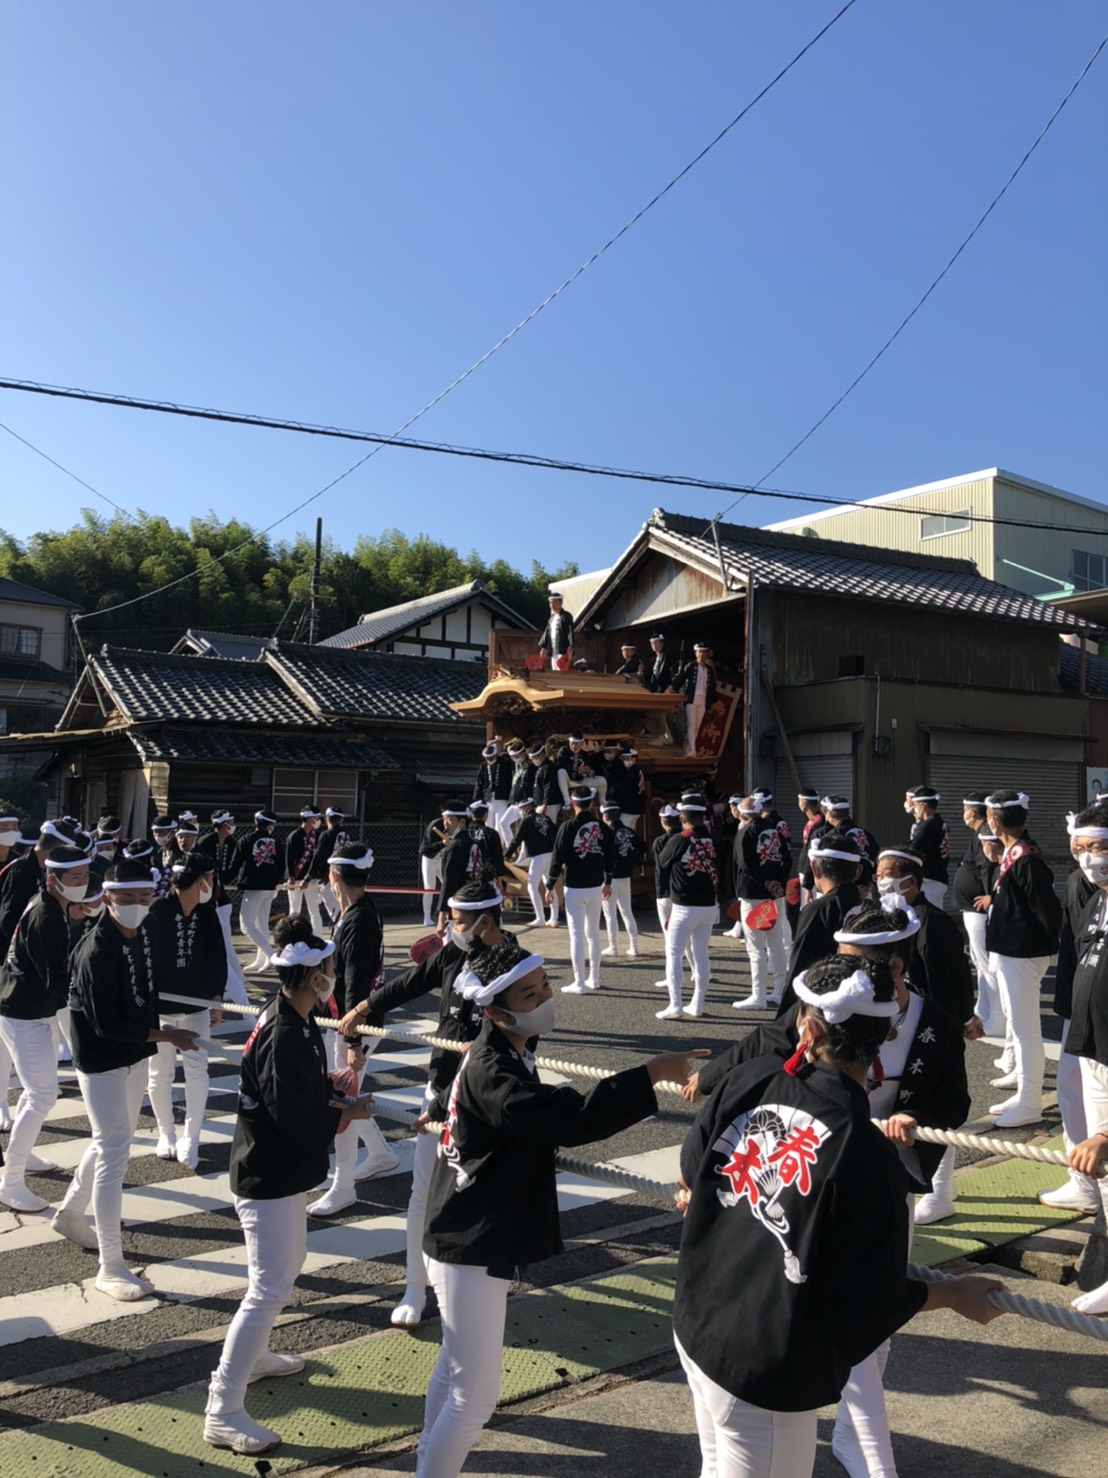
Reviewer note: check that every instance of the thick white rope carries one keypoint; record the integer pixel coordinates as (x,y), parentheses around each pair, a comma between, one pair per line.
(956,1138)
(1014,1303)
(1030,1308)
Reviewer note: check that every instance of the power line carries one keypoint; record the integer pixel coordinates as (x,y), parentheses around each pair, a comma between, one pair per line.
(513,459)
(38,451)
(522,324)
(908,318)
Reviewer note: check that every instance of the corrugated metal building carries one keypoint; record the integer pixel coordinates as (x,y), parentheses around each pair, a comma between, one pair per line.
(950,518)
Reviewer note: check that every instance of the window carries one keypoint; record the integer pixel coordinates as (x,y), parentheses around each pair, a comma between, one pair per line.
(21,641)
(935,525)
(1090,571)
(294,788)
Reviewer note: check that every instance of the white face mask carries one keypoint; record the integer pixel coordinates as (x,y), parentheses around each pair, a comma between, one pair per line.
(130,915)
(463,938)
(8,838)
(324,986)
(107,849)
(232,829)
(205,892)
(1094,868)
(73,892)
(96,910)
(887,886)
(536,1023)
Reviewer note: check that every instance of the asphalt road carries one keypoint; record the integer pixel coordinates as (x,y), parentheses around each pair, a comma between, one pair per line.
(94,1360)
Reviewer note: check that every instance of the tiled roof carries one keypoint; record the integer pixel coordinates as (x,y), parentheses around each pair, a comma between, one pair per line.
(16,670)
(16,590)
(222,644)
(377,685)
(799,562)
(214,690)
(249,747)
(378,626)
(1069,671)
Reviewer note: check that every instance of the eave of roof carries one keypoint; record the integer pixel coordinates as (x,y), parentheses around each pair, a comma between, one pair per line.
(378,626)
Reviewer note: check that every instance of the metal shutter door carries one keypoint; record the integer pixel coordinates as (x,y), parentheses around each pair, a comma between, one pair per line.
(1054,788)
(831,774)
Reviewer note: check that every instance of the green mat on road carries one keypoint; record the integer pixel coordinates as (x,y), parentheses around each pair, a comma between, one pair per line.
(362,1394)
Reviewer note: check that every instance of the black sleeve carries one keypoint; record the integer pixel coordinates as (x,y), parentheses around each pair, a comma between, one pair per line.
(410,984)
(361,959)
(495,850)
(454,859)
(773,1039)
(287,1078)
(562,847)
(215,956)
(948,977)
(1064,971)
(101,984)
(48,949)
(562,1116)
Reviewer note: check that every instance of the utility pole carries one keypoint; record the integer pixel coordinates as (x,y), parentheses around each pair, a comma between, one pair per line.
(313,621)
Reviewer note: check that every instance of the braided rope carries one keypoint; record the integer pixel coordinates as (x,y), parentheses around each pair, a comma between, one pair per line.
(1013,1303)
(956,1138)
(1030,1308)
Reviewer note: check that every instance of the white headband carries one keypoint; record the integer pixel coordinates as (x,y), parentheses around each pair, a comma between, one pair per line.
(196,866)
(446,812)
(1020,800)
(896,852)
(472,989)
(220,817)
(888,936)
(122,887)
(48,829)
(817,852)
(61,866)
(469,905)
(931,795)
(339,815)
(363,863)
(853,998)
(302,953)
(263,816)
(690,806)
(762,796)
(1092,833)
(582,795)
(835,805)
(977,805)
(669,811)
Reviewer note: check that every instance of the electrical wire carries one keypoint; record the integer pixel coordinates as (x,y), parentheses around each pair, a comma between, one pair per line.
(904,322)
(511,334)
(515,459)
(38,451)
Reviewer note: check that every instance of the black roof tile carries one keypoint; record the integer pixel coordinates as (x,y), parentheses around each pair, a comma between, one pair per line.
(249,747)
(377,685)
(215,690)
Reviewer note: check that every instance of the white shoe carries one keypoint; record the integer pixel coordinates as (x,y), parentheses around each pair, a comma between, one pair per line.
(689,1011)
(847,1451)
(122,1285)
(592,984)
(165,1149)
(661,985)
(188,1153)
(632,954)
(5,1123)
(368,1166)
(752,1003)
(409,1311)
(1011,1114)
(671,1013)
(1093,1302)
(609,952)
(333,1201)
(1008,1080)
(932,1207)
(576,989)
(239,1432)
(1070,1197)
(37,1166)
(270,1365)
(428,924)
(1006,1062)
(75,1228)
(733,933)
(19,1198)
(257,967)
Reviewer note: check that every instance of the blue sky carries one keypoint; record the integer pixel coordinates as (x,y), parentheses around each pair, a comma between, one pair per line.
(328,212)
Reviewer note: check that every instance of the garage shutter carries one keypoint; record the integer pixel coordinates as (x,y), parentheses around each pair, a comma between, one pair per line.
(825,761)
(1054,787)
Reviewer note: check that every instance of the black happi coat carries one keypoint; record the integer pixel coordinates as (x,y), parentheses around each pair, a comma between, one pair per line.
(112,998)
(763,855)
(863,839)
(330,839)
(463,860)
(792,1261)
(432,843)
(547,791)
(493,1201)
(257,864)
(933,1088)
(816,928)
(285,1121)
(494,779)
(1025,918)
(661,869)
(359,955)
(459,1020)
(930,841)
(583,852)
(522,787)
(974,877)
(1078,892)
(300,850)
(627,850)
(34,978)
(660,671)
(190,958)
(940,968)
(19,882)
(1088,1029)
(557,636)
(487,840)
(535,834)
(685,683)
(627,786)
(689,856)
